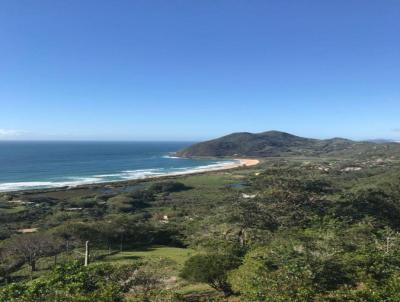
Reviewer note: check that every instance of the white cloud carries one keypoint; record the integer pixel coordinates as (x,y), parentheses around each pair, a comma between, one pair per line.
(396,130)
(9,133)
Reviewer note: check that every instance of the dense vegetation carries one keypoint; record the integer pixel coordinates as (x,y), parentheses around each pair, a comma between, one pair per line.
(275,143)
(289,229)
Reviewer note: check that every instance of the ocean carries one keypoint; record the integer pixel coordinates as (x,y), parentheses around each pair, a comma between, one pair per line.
(37,165)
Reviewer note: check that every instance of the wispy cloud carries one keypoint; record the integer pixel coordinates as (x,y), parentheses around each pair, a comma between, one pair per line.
(10,133)
(396,130)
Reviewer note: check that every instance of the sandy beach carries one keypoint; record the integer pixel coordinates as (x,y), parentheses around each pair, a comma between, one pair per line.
(239,162)
(249,162)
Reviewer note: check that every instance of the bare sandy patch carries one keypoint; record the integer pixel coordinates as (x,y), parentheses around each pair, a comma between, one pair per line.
(26,231)
(249,162)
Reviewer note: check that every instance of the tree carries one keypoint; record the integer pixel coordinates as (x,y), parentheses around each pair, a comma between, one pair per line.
(273,275)
(330,274)
(146,279)
(371,202)
(249,215)
(211,269)
(33,246)
(8,263)
(4,255)
(65,233)
(168,187)
(81,232)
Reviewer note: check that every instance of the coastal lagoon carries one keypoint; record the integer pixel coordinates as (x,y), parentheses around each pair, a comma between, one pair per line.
(36,165)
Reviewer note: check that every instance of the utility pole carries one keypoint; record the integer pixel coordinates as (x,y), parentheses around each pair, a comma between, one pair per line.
(86,253)
(388,244)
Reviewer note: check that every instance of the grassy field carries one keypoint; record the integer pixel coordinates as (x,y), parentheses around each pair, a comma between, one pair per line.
(174,257)
(12,210)
(175,254)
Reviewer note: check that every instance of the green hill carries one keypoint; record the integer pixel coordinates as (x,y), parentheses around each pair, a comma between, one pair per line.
(276,143)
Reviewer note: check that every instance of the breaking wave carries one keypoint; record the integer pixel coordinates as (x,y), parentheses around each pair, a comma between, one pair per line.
(112,177)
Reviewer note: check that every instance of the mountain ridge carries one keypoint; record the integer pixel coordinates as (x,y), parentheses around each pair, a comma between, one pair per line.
(278,143)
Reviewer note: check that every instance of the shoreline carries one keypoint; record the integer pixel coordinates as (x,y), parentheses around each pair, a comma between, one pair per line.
(241,162)
(238,162)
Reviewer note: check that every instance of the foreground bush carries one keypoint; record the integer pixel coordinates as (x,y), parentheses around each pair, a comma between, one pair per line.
(211,269)
(70,282)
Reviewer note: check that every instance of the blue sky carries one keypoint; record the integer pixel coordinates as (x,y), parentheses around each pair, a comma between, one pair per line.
(192,70)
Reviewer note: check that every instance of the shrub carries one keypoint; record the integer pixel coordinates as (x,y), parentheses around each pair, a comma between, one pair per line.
(211,269)
(168,187)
